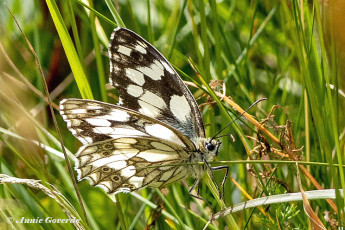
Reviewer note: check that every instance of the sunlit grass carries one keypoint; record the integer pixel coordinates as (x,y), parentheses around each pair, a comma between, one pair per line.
(279,51)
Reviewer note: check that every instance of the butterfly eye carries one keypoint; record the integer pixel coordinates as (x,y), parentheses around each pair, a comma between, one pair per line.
(210,147)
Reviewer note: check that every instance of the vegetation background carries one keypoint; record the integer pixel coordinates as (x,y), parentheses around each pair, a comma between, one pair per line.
(290,52)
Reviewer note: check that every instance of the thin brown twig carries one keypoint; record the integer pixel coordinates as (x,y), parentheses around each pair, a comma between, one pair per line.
(275,139)
(272,137)
(249,118)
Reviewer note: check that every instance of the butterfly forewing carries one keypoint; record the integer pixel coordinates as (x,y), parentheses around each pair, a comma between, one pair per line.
(147,83)
(92,121)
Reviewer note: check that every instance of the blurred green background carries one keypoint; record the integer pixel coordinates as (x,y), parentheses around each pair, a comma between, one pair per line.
(290,52)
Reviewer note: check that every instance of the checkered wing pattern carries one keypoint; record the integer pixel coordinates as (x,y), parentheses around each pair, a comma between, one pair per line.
(145,139)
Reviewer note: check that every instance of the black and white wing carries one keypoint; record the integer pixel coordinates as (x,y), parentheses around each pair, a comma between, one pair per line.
(120,144)
(157,123)
(123,164)
(148,84)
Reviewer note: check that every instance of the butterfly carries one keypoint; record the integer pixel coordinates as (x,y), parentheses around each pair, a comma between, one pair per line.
(146,138)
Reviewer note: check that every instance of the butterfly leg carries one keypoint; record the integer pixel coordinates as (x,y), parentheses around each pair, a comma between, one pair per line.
(206,164)
(196,184)
(221,193)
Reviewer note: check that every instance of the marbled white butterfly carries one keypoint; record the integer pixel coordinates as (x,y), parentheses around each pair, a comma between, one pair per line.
(156,123)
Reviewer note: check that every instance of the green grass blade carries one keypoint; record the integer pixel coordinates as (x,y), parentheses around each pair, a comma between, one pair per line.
(71,54)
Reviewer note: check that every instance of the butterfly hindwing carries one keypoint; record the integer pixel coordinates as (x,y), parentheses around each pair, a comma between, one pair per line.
(120,165)
(147,83)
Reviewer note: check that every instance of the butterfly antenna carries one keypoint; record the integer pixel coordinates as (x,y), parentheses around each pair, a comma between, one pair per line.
(256,102)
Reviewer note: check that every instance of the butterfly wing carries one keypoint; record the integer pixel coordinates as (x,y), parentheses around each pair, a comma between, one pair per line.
(147,83)
(93,121)
(119,145)
(122,165)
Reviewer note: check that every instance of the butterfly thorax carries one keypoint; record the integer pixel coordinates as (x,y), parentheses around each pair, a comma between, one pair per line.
(208,148)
